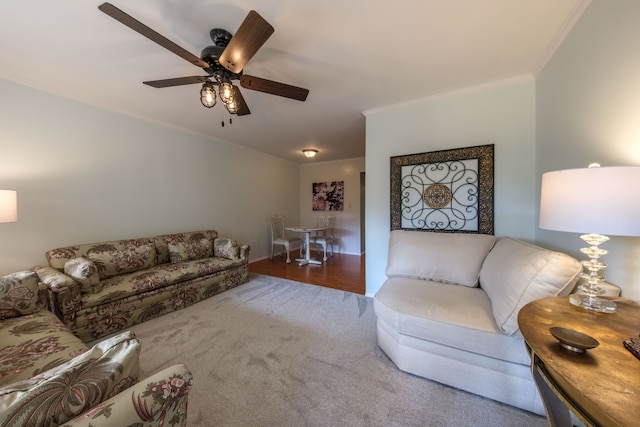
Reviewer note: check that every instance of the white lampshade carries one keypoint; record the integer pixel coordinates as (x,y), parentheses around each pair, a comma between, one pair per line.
(8,206)
(601,200)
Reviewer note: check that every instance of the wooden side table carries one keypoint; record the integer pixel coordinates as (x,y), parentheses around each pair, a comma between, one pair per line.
(602,386)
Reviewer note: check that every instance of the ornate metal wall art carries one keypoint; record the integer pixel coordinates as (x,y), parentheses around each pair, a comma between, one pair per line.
(448,191)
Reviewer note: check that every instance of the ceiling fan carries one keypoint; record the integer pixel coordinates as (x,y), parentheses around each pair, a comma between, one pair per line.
(223,62)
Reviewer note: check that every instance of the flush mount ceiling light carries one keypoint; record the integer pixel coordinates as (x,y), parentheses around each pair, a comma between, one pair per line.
(309,152)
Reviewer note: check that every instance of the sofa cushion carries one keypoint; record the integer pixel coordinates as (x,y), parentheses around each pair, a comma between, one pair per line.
(197,247)
(157,277)
(226,248)
(61,393)
(85,272)
(18,294)
(454,258)
(189,246)
(123,256)
(162,242)
(34,343)
(516,273)
(454,316)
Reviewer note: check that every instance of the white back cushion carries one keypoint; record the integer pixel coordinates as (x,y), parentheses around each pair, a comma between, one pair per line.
(454,258)
(516,273)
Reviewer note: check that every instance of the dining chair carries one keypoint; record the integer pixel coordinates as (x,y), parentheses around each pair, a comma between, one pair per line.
(324,238)
(278,236)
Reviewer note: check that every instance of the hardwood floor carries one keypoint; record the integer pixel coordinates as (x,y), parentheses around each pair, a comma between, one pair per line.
(345,272)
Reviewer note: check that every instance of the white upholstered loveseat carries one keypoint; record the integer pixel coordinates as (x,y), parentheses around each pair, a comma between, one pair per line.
(448,310)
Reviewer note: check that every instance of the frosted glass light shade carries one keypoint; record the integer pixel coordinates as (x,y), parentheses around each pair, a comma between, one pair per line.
(8,206)
(601,200)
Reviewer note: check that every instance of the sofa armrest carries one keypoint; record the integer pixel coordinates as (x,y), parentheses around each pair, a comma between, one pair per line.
(67,390)
(64,293)
(54,279)
(160,399)
(244,253)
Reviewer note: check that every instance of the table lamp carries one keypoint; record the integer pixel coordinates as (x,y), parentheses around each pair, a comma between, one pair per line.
(8,206)
(595,200)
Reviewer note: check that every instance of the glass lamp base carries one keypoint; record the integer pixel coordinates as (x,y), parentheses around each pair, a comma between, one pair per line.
(592,303)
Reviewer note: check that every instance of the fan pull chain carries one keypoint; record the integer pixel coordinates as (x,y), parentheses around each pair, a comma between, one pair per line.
(222,118)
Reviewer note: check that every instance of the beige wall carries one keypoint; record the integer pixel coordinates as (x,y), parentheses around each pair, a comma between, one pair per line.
(347,229)
(502,114)
(588,109)
(84,174)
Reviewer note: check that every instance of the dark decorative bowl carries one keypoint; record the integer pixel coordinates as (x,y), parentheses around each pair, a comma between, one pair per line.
(573,340)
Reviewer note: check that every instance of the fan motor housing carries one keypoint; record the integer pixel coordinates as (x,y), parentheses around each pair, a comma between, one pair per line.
(220,37)
(211,55)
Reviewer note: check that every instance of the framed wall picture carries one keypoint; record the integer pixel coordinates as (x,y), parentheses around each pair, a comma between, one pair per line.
(446,191)
(328,196)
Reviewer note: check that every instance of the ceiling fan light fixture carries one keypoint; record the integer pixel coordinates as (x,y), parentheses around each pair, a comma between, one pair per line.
(208,95)
(223,62)
(232,106)
(226,92)
(309,152)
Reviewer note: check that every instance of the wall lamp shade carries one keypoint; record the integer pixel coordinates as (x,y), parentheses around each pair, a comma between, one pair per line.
(602,200)
(8,206)
(309,152)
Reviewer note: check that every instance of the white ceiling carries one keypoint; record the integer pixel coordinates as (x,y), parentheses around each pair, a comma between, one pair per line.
(353,56)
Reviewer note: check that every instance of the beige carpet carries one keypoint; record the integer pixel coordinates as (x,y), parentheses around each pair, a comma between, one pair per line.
(274,352)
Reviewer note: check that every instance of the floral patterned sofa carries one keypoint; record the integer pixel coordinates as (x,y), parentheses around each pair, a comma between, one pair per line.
(48,377)
(101,288)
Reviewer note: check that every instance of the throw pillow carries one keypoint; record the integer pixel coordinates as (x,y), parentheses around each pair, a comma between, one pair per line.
(85,272)
(516,273)
(454,258)
(18,294)
(62,393)
(226,248)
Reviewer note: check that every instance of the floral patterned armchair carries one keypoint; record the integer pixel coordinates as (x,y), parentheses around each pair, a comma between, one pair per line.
(48,377)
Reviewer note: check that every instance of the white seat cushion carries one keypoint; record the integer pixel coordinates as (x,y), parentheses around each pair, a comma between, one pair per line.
(451,315)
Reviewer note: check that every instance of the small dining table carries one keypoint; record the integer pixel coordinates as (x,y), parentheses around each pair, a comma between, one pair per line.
(306,230)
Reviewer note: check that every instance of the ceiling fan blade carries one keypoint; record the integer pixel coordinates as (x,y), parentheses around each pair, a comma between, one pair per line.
(251,35)
(176,82)
(274,88)
(152,35)
(243,108)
